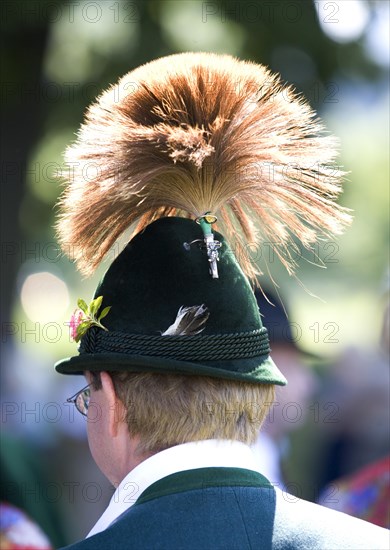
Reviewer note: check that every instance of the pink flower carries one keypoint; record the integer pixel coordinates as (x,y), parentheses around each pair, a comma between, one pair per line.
(86,316)
(75,320)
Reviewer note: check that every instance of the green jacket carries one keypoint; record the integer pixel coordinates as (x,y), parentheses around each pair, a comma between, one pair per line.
(228,509)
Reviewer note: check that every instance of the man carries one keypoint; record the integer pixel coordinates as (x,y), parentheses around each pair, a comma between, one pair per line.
(172,346)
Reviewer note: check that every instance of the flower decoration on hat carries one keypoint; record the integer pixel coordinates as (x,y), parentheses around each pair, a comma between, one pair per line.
(86,316)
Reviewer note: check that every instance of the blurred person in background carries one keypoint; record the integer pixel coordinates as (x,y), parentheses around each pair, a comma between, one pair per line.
(289,411)
(359,447)
(172,346)
(29,516)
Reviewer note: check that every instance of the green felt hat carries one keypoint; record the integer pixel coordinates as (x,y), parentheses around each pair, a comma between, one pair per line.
(191,135)
(163,269)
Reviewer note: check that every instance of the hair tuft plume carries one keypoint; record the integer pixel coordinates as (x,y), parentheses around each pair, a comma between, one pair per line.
(195,133)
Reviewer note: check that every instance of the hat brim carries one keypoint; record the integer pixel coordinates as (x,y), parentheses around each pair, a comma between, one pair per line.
(256,369)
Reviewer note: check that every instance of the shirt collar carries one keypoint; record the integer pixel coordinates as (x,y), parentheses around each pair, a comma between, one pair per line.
(188,456)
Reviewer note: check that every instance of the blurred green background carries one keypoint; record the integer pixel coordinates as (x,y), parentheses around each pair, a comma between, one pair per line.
(58,56)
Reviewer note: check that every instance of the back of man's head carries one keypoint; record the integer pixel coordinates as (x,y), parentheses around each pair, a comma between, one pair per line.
(164,410)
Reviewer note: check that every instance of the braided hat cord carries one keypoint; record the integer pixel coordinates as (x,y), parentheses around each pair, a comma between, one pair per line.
(182,348)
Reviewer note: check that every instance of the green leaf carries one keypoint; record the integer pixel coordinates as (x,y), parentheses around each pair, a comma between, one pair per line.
(82,305)
(94,306)
(82,329)
(104,313)
(84,325)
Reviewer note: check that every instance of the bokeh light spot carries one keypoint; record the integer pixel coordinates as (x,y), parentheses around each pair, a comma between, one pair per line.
(343,21)
(44,297)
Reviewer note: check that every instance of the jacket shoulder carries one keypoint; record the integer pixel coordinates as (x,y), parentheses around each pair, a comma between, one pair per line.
(236,518)
(302,524)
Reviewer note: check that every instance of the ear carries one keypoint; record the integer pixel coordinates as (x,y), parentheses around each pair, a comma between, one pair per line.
(116,409)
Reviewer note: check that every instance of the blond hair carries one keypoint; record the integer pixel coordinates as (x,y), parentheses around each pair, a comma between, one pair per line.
(170,409)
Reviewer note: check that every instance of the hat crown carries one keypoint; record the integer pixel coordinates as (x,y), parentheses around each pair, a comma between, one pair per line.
(157,273)
(163,269)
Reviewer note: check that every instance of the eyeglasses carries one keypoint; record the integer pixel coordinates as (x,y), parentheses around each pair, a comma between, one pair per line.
(81,400)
